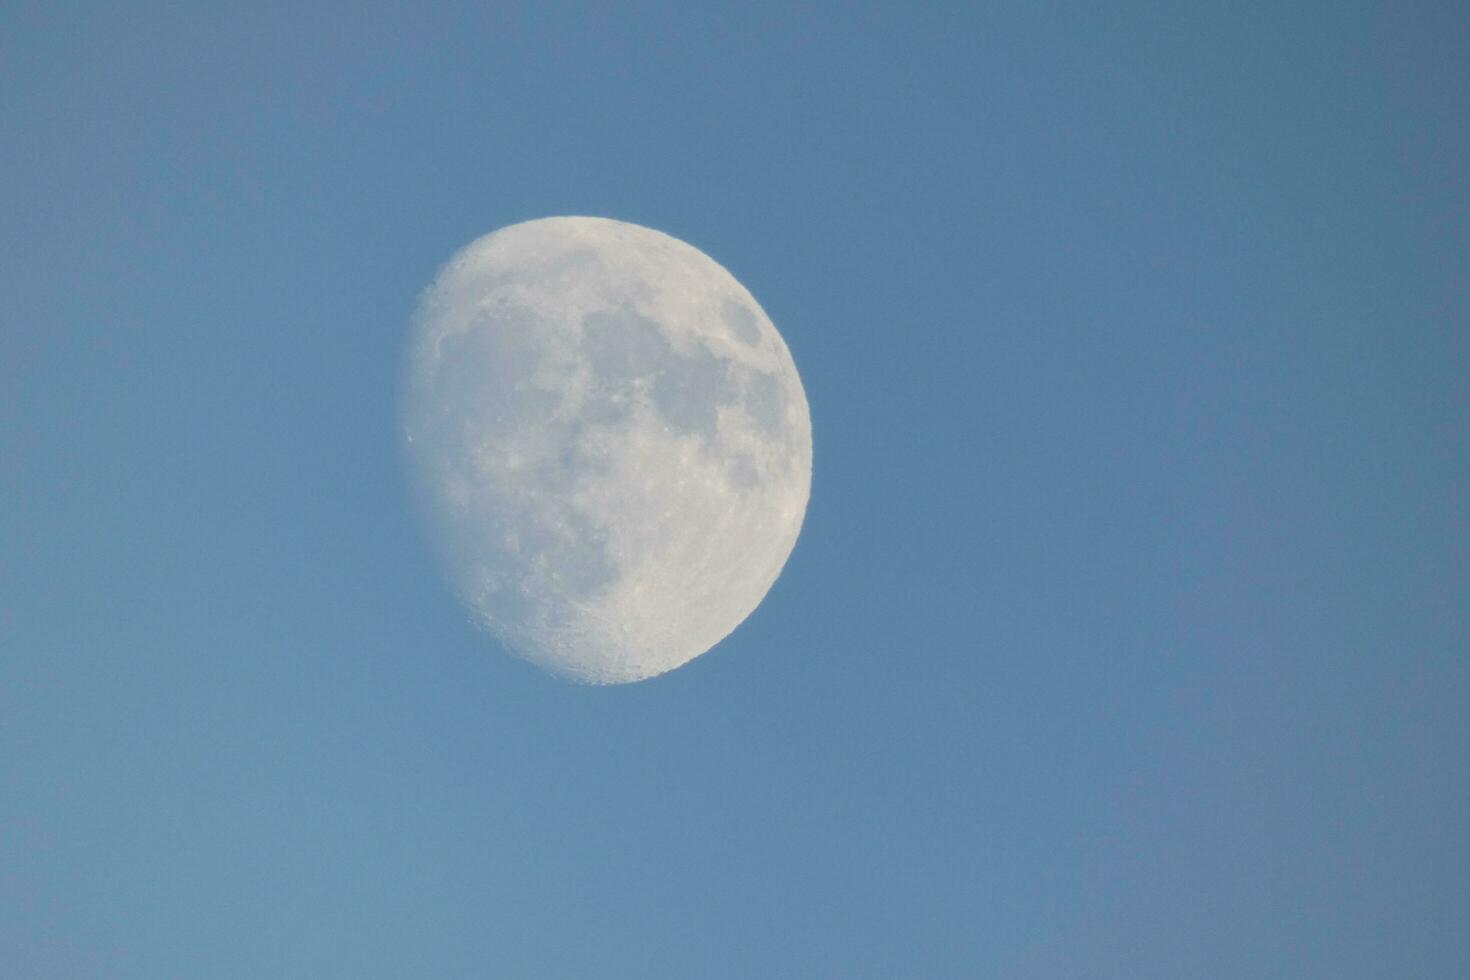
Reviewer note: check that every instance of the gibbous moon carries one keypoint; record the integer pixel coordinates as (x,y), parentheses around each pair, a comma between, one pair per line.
(608,443)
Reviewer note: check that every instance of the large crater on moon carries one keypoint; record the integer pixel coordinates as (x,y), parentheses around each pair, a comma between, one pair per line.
(608,442)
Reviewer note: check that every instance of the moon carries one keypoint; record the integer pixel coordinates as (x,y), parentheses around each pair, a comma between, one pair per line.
(607,442)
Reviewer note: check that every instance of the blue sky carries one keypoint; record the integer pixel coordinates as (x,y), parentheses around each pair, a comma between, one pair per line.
(1127,634)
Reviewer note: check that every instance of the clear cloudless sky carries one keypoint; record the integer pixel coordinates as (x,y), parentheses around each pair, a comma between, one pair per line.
(1129,631)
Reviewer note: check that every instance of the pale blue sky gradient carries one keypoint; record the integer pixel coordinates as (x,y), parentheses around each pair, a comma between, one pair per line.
(1127,635)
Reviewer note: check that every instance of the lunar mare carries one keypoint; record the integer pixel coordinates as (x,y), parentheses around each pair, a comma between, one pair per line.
(608,444)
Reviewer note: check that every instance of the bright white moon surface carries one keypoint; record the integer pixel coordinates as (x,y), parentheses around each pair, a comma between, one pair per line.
(608,443)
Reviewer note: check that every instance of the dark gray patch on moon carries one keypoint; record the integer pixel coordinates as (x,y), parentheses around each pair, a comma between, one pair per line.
(742,322)
(765,400)
(484,375)
(690,391)
(742,472)
(623,346)
(630,354)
